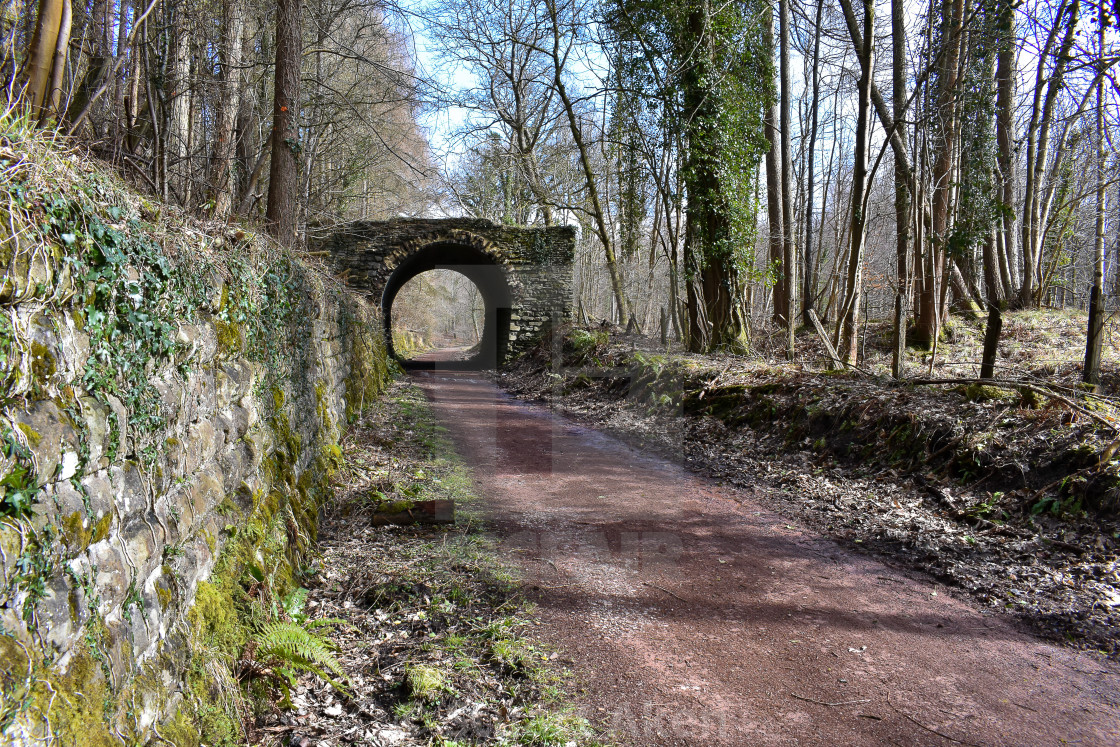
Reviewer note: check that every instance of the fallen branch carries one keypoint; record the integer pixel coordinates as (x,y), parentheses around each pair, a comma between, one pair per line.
(837,364)
(930,729)
(1013,383)
(712,384)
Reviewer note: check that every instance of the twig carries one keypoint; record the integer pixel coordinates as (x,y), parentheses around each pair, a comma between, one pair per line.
(833,357)
(830,705)
(711,384)
(931,730)
(659,588)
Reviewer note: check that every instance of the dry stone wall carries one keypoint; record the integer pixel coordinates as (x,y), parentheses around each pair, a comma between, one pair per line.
(172,406)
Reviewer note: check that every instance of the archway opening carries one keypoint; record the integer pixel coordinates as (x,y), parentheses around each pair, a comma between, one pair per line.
(489,312)
(438,316)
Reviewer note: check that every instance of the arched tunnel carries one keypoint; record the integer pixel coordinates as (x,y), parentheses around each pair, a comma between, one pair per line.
(488,277)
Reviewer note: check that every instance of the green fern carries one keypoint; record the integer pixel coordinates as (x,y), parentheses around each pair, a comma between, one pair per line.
(290,648)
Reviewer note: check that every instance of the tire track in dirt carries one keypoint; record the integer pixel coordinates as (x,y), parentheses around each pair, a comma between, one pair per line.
(695,616)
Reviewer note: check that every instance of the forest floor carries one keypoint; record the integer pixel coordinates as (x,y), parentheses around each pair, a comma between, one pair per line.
(1002,492)
(1047,345)
(432,632)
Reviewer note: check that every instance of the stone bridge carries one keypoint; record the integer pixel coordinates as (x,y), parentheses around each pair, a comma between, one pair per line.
(524,275)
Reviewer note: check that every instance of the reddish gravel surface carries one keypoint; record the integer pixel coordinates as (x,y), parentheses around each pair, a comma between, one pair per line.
(695,616)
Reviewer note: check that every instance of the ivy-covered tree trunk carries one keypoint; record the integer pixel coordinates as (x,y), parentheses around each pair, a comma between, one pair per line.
(707,210)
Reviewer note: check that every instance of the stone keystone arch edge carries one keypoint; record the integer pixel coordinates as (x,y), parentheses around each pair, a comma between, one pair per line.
(523,274)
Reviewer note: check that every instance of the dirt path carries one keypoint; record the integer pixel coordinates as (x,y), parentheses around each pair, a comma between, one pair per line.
(697,617)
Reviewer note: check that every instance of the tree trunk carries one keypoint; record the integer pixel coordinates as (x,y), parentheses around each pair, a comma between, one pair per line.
(991,341)
(707,212)
(1092,369)
(774,191)
(931,309)
(1005,136)
(809,281)
(626,313)
(100,60)
(789,254)
(850,314)
(1046,92)
(221,173)
(282,213)
(58,66)
(901,190)
(178,126)
(41,54)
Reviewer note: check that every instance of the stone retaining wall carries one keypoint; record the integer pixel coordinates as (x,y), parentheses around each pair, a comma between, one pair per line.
(148,523)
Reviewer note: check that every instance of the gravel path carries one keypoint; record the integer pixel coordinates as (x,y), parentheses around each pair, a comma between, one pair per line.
(695,616)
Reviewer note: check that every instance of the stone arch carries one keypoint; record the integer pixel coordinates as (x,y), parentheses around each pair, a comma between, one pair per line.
(483,268)
(523,274)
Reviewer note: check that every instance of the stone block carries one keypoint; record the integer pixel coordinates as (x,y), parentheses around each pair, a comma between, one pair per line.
(118,648)
(99,491)
(95,414)
(143,539)
(118,437)
(206,492)
(53,612)
(49,434)
(111,573)
(175,510)
(130,494)
(236,463)
(206,343)
(171,395)
(203,442)
(69,501)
